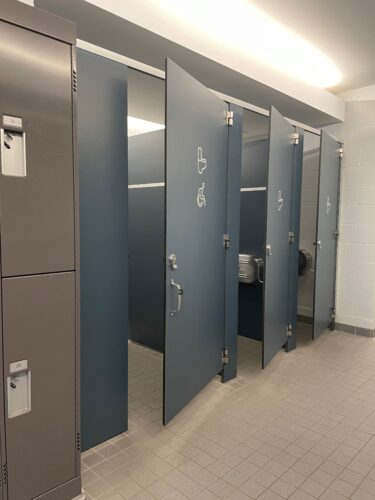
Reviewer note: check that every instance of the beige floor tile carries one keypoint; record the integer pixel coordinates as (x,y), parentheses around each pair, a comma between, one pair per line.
(301,429)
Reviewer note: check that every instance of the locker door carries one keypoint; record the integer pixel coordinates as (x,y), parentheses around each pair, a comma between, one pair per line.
(34,239)
(196,186)
(295,230)
(279,206)
(39,330)
(326,241)
(102,161)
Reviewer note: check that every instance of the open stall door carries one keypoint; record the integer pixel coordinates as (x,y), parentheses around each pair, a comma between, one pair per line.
(277,255)
(102,160)
(196,190)
(326,234)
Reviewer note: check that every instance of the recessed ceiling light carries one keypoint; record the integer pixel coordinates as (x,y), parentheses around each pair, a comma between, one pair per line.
(137,126)
(253,33)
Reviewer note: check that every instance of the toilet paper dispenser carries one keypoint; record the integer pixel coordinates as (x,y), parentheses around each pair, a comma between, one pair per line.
(250,269)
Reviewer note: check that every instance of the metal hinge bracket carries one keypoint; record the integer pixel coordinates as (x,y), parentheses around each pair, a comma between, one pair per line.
(295,138)
(333,313)
(230,117)
(289,330)
(291,237)
(340,152)
(225,356)
(226,240)
(336,234)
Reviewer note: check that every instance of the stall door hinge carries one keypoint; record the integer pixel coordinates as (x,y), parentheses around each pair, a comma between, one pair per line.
(230,117)
(5,474)
(289,330)
(226,240)
(78,441)
(340,152)
(336,234)
(333,313)
(225,356)
(291,237)
(295,138)
(74,81)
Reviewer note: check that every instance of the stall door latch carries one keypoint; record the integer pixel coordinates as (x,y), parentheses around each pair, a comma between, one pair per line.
(230,117)
(225,356)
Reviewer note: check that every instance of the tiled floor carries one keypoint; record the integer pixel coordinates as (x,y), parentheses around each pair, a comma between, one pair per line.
(304,428)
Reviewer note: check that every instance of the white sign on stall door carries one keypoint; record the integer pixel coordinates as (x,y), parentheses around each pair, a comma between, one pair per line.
(201,167)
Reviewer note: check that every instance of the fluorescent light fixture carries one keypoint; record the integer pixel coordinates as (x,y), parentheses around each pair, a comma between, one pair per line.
(251,32)
(137,126)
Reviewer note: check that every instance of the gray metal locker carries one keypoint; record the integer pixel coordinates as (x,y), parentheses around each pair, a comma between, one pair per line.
(39,256)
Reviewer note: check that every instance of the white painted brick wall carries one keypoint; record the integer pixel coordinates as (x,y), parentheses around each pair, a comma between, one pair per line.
(356,264)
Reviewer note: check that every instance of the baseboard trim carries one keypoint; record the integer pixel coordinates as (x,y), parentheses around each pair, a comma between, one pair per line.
(304,319)
(356,330)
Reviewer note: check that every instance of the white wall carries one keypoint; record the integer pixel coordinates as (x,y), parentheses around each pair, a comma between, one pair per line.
(356,264)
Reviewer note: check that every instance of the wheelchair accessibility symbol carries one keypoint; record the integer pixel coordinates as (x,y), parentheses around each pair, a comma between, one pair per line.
(201,162)
(201,198)
(280,200)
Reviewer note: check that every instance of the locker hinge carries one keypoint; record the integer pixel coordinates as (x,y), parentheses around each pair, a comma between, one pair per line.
(289,330)
(230,117)
(78,441)
(340,152)
(226,240)
(291,237)
(74,81)
(5,474)
(295,138)
(225,356)
(333,313)
(336,234)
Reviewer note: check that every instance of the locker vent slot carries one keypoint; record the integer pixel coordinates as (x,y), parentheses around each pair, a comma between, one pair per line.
(78,441)
(74,81)
(5,474)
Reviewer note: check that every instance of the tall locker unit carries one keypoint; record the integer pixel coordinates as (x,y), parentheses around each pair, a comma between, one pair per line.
(39,257)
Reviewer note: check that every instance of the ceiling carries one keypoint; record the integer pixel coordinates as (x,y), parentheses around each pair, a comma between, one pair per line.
(302,103)
(342,29)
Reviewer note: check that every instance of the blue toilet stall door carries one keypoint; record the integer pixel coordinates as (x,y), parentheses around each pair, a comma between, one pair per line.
(326,234)
(196,191)
(102,159)
(277,250)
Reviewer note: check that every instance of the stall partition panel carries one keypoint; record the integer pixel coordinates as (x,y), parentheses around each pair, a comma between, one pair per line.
(277,249)
(196,190)
(326,234)
(102,154)
(233,230)
(295,236)
(146,239)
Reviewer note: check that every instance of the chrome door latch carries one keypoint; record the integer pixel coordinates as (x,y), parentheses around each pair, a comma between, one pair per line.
(172,260)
